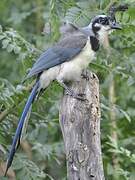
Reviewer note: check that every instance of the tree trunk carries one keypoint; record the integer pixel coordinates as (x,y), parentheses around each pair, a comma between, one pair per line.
(80,124)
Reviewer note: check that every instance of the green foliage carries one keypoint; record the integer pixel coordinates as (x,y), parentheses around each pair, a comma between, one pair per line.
(13,42)
(27,169)
(21,41)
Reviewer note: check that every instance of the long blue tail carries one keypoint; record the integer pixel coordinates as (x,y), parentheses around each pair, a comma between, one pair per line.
(17,137)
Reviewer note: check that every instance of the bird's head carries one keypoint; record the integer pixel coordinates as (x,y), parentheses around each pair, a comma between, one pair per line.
(103,25)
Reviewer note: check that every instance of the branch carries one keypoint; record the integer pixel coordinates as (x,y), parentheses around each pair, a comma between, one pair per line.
(80,124)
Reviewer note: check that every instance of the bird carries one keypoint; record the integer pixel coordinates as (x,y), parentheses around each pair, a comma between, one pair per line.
(64,62)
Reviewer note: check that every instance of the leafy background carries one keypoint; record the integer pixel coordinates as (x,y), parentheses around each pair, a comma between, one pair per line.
(29,27)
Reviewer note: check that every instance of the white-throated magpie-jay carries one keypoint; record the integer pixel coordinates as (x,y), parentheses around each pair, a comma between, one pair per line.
(63,62)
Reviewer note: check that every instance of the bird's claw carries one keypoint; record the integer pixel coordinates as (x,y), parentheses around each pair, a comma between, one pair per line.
(79,96)
(85,75)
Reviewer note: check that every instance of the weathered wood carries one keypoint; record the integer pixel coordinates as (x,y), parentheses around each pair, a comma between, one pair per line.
(80,124)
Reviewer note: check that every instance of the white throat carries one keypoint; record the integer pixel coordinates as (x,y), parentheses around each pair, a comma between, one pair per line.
(102,34)
(103,37)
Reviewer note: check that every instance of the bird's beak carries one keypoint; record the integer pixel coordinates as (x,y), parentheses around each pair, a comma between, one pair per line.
(115,26)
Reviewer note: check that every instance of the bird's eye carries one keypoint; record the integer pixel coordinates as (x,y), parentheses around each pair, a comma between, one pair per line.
(104,21)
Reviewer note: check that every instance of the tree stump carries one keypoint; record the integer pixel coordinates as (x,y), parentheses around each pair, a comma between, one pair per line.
(80,124)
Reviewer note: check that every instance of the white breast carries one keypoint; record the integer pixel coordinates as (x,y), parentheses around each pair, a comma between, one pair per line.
(85,57)
(72,70)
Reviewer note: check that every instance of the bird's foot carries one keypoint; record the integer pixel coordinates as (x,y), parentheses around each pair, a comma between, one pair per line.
(79,96)
(70,92)
(85,75)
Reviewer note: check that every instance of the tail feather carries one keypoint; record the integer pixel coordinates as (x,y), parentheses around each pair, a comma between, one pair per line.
(24,129)
(22,122)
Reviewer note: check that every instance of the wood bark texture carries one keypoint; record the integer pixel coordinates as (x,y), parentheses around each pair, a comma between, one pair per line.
(80,124)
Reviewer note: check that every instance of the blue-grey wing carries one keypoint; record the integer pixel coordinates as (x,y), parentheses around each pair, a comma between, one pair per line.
(63,51)
(51,58)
